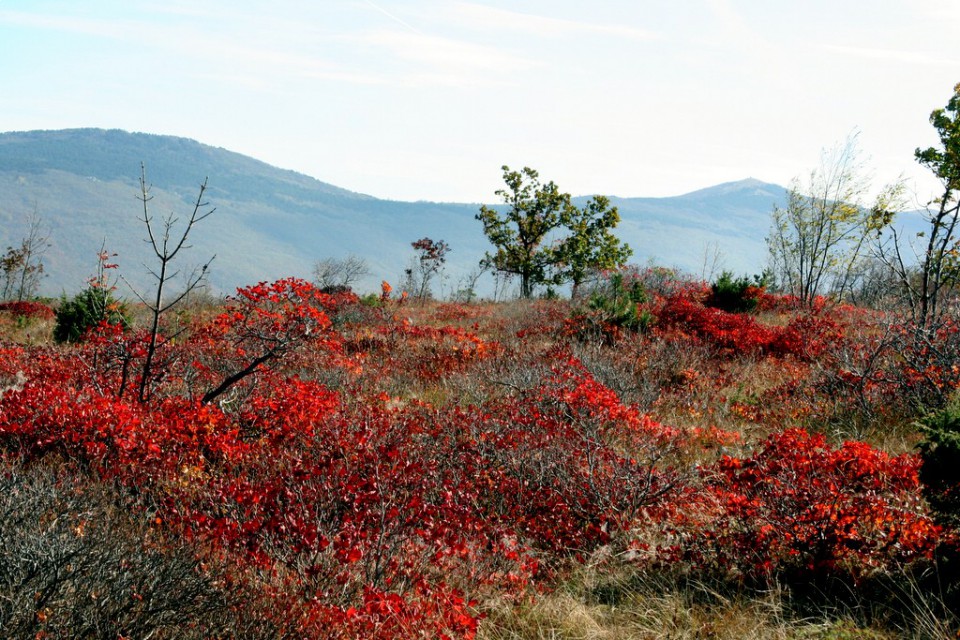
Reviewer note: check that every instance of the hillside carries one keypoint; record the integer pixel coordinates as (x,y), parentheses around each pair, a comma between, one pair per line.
(271,222)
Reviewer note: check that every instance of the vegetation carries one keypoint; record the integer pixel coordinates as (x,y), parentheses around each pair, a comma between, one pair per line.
(924,285)
(310,464)
(340,273)
(535,211)
(322,468)
(817,242)
(21,267)
(431,256)
(92,307)
(165,248)
(737,295)
(590,245)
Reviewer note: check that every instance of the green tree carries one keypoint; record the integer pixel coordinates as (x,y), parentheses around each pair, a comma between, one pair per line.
(938,270)
(590,246)
(519,233)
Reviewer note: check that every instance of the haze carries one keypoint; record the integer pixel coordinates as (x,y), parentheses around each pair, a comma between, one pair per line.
(425,99)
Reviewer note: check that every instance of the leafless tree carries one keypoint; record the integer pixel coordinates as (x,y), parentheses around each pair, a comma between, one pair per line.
(21,268)
(166,245)
(330,273)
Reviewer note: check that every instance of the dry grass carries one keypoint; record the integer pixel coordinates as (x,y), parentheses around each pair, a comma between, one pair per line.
(25,331)
(647,609)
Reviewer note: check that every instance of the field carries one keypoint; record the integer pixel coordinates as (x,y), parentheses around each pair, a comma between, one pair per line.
(304,464)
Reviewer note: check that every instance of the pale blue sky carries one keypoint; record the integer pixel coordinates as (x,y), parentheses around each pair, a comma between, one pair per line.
(426,99)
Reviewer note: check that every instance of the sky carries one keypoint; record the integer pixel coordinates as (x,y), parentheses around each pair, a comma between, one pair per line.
(427,99)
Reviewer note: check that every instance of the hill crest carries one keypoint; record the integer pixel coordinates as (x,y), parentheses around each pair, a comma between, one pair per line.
(272,222)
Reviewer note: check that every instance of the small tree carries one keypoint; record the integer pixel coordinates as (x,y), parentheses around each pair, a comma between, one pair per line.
(166,247)
(21,268)
(590,246)
(937,269)
(431,256)
(519,234)
(92,306)
(817,240)
(340,273)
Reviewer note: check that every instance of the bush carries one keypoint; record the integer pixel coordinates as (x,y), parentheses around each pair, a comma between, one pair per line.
(613,307)
(86,310)
(940,470)
(802,512)
(736,295)
(25,309)
(940,477)
(76,565)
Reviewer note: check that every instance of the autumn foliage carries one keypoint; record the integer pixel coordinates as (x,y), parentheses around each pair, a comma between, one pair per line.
(339,471)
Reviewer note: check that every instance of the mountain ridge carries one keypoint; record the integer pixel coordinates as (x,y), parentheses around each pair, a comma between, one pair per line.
(273,222)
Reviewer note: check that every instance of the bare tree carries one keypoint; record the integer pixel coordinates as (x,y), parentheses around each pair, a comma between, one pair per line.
(166,246)
(21,268)
(335,273)
(467,285)
(712,261)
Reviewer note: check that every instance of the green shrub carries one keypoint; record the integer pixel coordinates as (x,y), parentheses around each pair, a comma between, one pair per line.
(613,307)
(371,300)
(618,304)
(940,477)
(940,471)
(85,311)
(735,295)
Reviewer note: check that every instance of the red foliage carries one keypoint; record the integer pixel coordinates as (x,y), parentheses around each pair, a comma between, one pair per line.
(371,516)
(802,510)
(806,337)
(27,309)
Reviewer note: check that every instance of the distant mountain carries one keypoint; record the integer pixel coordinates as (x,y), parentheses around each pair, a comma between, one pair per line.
(683,231)
(270,223)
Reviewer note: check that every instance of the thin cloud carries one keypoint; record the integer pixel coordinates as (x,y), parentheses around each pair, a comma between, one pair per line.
(393,17)
(492,18)
(891,55)
(69,24)
(245,60)
(441,52)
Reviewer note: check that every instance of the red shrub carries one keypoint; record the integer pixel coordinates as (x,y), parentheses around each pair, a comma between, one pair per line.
(27,309)
(802,510)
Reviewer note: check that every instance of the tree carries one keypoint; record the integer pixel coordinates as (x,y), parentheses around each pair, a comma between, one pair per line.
(590,246)
(818,239)
(339,273)
(938,259)
(21,268)
(431,256)
(166,247)
(519,234)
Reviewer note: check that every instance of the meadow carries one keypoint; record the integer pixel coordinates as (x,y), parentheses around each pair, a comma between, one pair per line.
(650,460)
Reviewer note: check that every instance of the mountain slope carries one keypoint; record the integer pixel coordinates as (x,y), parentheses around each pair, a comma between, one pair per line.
(271,223)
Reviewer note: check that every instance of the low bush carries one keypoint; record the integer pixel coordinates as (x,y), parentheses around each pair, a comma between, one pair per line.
(613,307)
(85,311)
(27,309)
(735,295)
